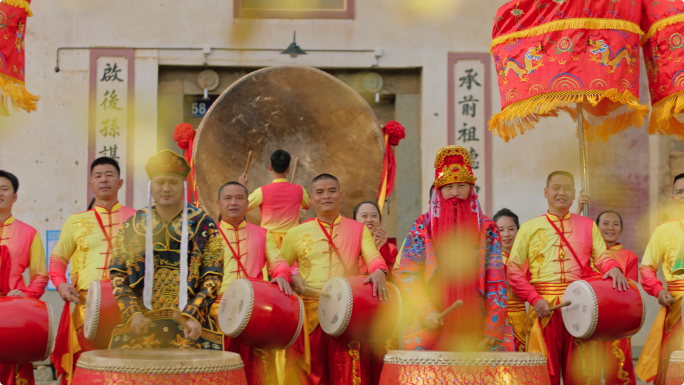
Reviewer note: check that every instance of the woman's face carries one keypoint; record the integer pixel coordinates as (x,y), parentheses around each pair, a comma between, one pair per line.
(369,216)
(610,227)
(508,231)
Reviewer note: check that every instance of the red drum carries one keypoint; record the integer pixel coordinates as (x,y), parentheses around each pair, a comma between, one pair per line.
(159,366)
(101,314)
(601,313)
(256,313)
(351,311)
(403,367)
(27,330)
(675,371)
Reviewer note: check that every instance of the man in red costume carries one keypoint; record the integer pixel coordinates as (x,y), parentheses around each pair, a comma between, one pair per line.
(551,245)
(329,246)
(85,242)
(247,249)
(452,253)
(20,249)
(279,201)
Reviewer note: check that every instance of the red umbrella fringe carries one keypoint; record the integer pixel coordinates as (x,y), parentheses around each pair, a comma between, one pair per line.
(522,116)
(662,120)
(12,88)
(13,91)
(662,47)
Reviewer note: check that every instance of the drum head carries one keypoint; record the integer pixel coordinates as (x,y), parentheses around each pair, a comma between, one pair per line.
(159,361)
(334,311)
(581,317)
(236,307)
(92,310)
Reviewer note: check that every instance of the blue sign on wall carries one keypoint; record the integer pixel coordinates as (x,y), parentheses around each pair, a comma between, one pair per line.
(196,106)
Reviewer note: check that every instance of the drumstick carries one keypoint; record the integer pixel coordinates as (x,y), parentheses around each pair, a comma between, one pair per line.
(564,304)
(180,319)
(249,160)
(671,300)
(294,169)
(74,299)
(311,290)
(448,310)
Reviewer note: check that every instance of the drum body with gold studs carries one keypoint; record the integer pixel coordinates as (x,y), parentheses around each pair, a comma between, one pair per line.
(352,312)
(101,314)
(257,314)
(675,370)
(159,366)
(601,313)
(27,330)
(408,367)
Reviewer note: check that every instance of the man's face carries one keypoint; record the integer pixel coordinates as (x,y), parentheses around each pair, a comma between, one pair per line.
(167,190)
(678,194)
(560,192)
(7,194)
(326,196)
(233,203)
(456,190)
(105,182)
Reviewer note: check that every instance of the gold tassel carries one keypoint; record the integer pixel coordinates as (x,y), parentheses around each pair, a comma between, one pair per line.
(663,121)
(523,115)
(13,90)
(661,24)
(562,25)
(23,4)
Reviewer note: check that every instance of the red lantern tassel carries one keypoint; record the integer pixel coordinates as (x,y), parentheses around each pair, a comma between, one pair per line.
(184,136)
(394,132)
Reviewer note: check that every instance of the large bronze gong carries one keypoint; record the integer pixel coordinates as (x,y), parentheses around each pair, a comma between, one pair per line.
(302,110)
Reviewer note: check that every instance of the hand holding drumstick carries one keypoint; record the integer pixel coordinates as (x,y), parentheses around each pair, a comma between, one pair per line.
(243,180)
(435,320)
(192,329)
(312,291)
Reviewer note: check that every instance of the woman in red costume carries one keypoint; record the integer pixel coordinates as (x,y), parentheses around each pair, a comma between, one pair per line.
(508,225)
(368,213)
(617,364)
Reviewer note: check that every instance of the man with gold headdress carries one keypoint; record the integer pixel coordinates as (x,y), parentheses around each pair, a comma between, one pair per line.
(453,252)
(167,258)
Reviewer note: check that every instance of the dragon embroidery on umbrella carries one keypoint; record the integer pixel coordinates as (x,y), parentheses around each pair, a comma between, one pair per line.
(652,63)
(532,61)
(601,53)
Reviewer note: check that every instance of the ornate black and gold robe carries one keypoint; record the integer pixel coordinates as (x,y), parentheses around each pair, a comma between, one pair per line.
(205,272)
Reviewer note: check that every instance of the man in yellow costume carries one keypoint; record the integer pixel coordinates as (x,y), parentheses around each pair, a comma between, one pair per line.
(560,248)
(329,246)
(85,241)
(665,247)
